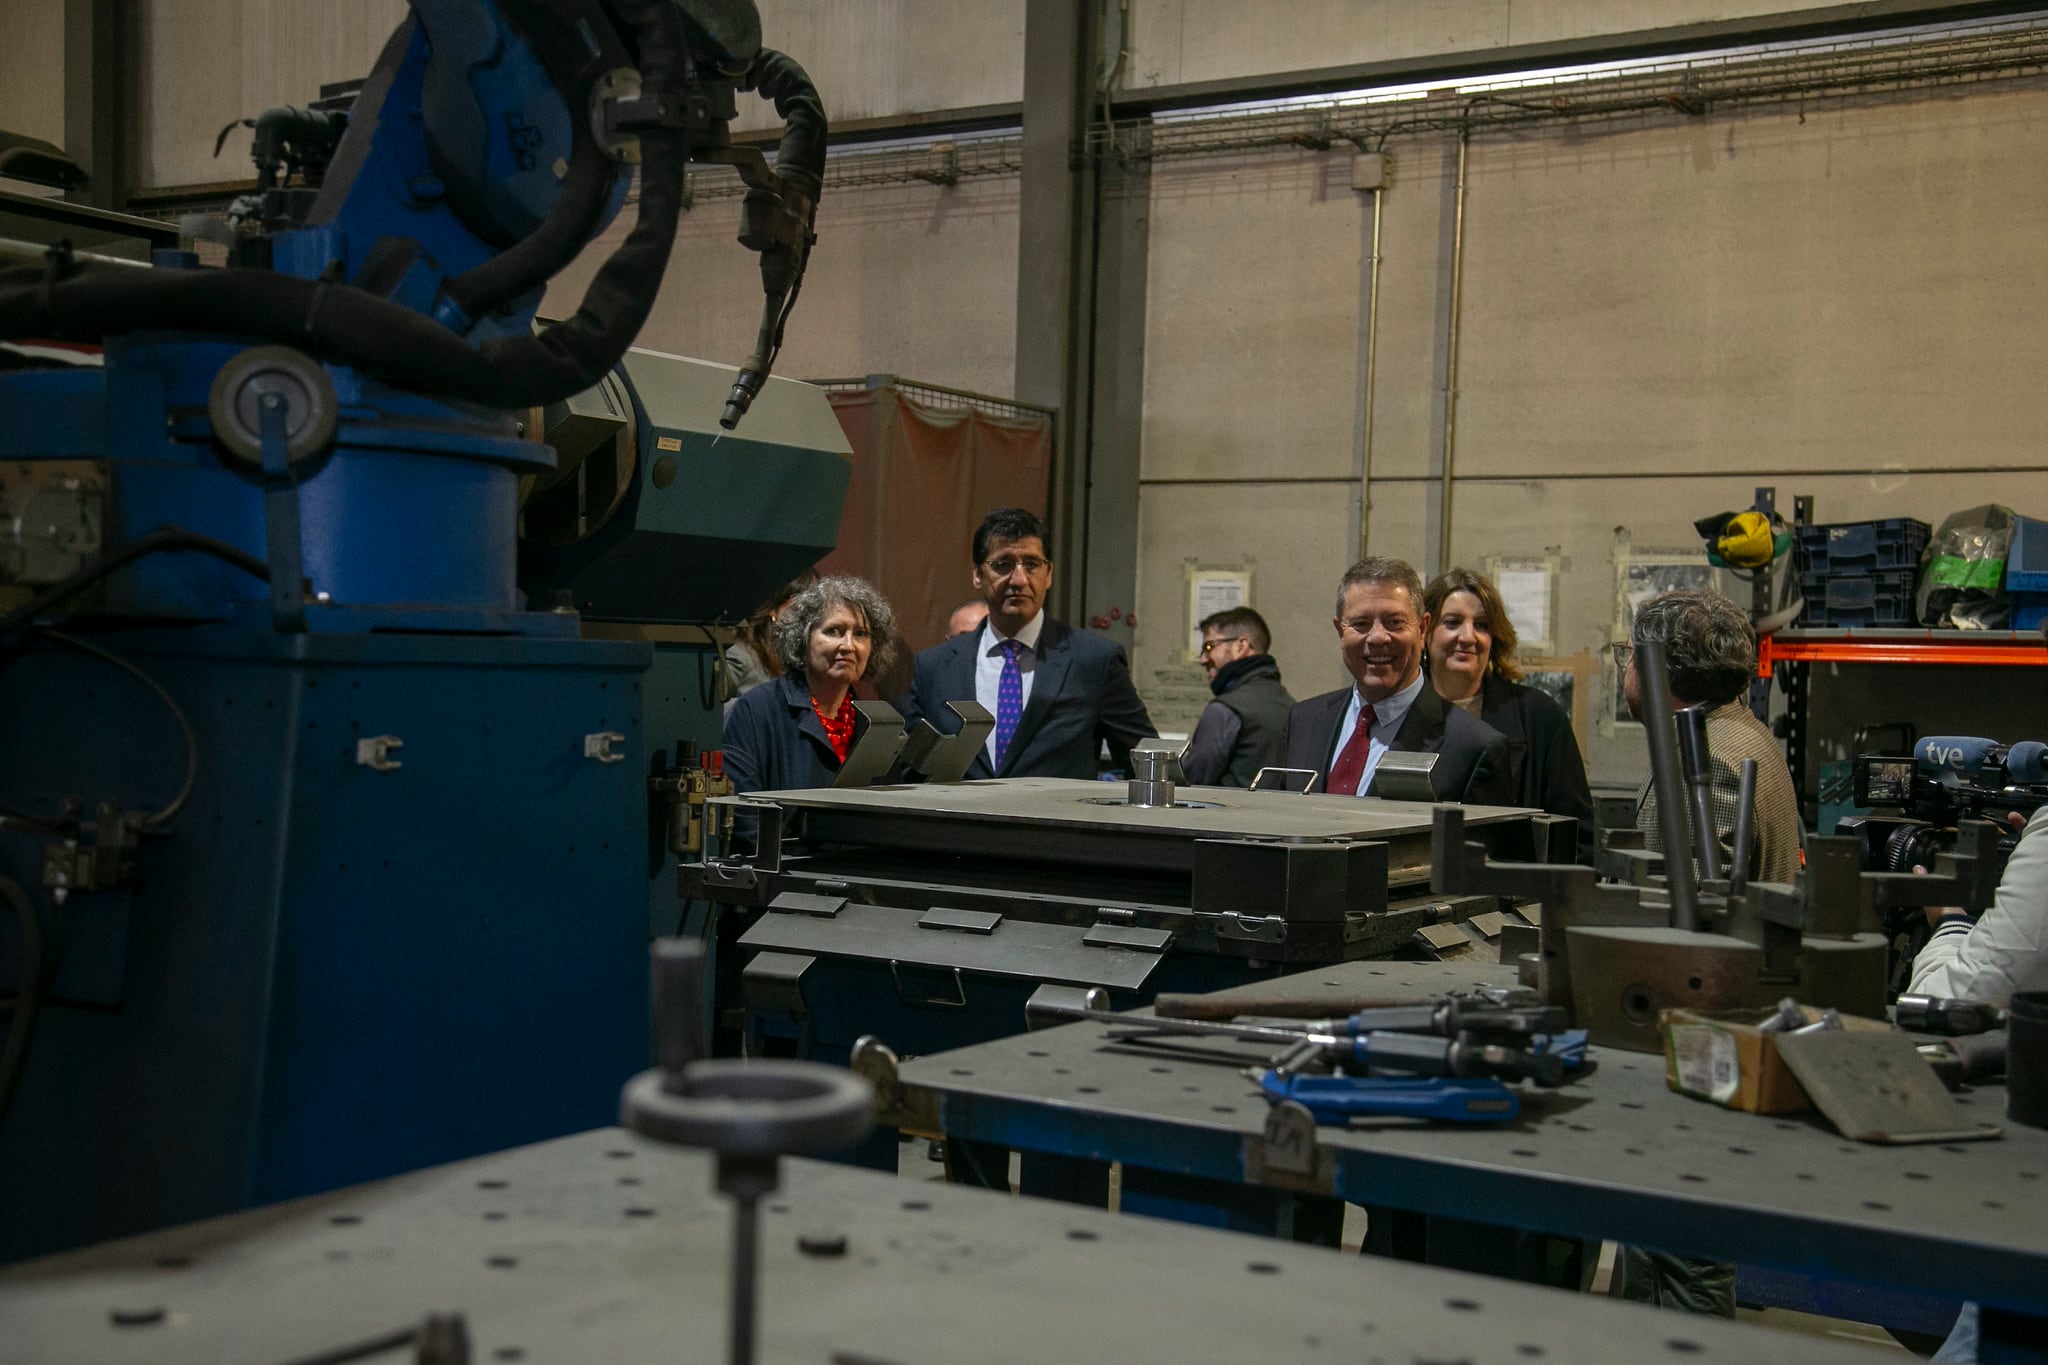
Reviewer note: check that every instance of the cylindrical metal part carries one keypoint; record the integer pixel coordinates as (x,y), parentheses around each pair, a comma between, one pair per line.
(746,1267)
(676,1004)
(1665,781)
(1696,761)
(1745,828)
(1150,785)
(2026,1058)
(1144,793)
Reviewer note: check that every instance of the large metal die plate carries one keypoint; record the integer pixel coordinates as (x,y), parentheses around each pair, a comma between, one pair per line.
(1008,947)
(1063,820)
(601,1247)
(1616,1155)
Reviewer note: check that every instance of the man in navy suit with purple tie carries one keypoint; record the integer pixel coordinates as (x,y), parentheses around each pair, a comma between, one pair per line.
(1057,693)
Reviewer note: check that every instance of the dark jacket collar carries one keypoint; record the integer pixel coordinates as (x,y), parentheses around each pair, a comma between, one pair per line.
(1237,670)
(795,692)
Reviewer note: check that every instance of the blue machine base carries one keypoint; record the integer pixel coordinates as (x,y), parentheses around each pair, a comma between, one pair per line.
(322,973)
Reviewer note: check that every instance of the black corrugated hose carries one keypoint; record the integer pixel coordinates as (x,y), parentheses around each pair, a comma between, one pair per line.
(66,299)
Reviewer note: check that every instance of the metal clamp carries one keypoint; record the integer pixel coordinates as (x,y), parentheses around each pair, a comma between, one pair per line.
(1310,773)
(375,753)
(1257,928)
(599,746)
(959,1002)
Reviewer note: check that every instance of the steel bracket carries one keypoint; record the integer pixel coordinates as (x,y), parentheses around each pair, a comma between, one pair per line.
(1286,1155)
(375,753)
(1252,928)
(896,1105)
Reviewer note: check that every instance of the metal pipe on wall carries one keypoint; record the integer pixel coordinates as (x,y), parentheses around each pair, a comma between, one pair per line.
(1443,535)
(1370,397)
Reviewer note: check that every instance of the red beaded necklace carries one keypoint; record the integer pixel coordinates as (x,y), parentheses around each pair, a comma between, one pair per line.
(839,728)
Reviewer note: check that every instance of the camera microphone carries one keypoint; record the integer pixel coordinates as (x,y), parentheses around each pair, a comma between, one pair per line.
(1967,755)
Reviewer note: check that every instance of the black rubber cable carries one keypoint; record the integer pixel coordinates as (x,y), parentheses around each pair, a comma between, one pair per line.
(77,300)
(162,539)
(163,817)
(38,960)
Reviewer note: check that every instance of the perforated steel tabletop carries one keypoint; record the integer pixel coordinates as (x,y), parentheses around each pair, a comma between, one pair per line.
(601,1247)
(1616,1155)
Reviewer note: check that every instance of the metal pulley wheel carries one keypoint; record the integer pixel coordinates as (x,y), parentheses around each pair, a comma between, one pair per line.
(235,403)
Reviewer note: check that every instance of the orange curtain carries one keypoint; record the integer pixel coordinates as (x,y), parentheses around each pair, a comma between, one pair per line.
(923,478)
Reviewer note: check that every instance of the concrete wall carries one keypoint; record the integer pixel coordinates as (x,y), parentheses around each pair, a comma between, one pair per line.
(32,70)
(911,280)
(884,58)
(1179,42)
(1655,320)
(206,63)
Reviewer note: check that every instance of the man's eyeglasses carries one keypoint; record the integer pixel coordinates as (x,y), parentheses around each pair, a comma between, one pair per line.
(1622,653)
(1208,645)
(1004,565)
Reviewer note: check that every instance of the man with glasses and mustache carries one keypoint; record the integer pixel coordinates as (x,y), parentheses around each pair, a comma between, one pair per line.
(1245,728)
(1390,705)
(1057,693)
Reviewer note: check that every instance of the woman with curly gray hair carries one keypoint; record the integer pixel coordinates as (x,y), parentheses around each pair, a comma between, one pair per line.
(796,730)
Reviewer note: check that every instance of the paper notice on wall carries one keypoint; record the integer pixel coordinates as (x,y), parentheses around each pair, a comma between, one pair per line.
(1526,595)
(1211,591)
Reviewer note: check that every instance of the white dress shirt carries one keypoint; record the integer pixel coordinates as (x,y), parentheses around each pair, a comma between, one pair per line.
(988,667)
(1386,723)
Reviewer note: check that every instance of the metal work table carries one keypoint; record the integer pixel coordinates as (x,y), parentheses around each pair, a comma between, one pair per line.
(1093,819)
(927,915)
(601,1247)
(1616,1155)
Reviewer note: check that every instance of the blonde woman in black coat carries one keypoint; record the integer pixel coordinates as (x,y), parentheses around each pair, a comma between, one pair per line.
(1471,661)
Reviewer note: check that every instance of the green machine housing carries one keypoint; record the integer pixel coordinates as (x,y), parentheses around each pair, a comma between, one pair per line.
(659,526)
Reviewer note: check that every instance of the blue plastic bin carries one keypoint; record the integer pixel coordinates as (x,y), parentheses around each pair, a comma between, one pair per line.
(1867,600)
(2026,573)
(1861,547)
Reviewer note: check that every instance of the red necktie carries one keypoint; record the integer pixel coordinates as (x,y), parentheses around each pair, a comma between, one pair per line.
(1350,764)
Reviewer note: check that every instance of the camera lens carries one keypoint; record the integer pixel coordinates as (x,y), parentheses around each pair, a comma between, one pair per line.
(1911,845)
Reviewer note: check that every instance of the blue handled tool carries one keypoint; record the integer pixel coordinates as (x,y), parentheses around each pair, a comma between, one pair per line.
(1339,1099)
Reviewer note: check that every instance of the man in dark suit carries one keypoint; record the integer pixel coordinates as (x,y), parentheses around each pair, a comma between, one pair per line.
(1056,692)
(1342,735)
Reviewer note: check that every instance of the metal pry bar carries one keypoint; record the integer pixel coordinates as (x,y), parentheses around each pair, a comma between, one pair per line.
(1658,730)
(1696,761)
(1745,829)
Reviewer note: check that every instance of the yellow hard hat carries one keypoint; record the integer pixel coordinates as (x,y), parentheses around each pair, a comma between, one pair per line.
(1747,542)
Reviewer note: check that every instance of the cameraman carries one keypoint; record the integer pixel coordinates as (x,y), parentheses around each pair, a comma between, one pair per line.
(2006,949)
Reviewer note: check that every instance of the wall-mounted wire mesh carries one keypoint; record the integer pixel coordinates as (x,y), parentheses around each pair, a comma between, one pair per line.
(940,396)
(1692,87)
(1808,73)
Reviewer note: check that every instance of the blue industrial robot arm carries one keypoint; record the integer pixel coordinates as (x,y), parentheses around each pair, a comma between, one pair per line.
(486,151)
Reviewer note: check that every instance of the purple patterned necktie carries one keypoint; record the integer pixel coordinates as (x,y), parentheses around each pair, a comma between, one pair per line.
(1009,701)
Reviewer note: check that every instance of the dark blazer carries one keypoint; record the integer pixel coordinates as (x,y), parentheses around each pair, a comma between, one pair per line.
(1472,757)
(773,741)
(1543,755)
(1081,694)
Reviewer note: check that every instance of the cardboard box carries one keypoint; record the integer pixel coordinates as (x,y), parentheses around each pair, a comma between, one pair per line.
(1723,1057)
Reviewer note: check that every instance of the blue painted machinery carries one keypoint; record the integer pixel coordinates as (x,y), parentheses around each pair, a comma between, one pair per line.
(325,846)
